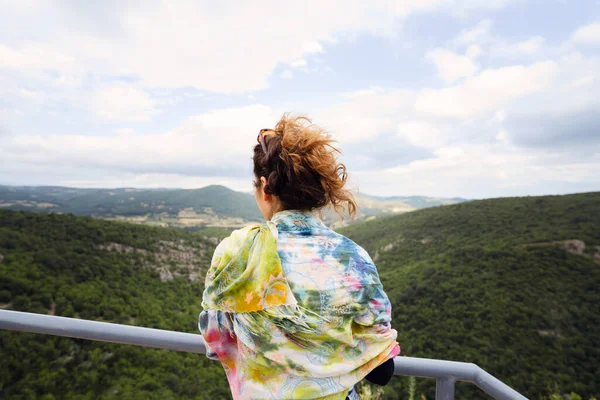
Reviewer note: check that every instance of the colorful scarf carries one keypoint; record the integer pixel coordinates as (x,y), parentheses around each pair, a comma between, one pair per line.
(294,310)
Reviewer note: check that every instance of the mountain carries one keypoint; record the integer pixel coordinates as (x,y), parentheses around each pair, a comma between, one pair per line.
(211,205)
(181,208)
(371,207)
(512,285)
(416,202)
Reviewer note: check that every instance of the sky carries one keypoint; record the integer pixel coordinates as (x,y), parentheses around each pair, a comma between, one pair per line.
(444,98)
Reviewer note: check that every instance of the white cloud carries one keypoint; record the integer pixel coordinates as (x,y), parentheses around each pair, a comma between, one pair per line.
(574,89)
(526,47)
(298,63)
(589,34)
(498,117)
(174,54)
(531,45)
(581,82)
(502,136)
(364,92)
(287,74)
(486,91)
(474,51)
(312,47)
(366,113)
(479,33)
(452,66)
(193,44)
(481,36)
(420,133)
(106,179)
(8,114)
(124,131)
(461,171)
(464,7)
(123,103)
(35,56)
(205,144)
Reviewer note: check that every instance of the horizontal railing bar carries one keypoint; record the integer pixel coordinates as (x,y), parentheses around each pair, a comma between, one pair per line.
(460,371)
(193,343)
(102,331)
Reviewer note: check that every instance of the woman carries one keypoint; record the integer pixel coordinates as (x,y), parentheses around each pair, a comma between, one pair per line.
(294,310)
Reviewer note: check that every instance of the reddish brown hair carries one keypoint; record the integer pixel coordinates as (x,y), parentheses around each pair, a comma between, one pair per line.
(301,167)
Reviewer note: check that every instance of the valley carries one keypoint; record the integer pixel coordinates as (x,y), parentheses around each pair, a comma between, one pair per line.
(509,284)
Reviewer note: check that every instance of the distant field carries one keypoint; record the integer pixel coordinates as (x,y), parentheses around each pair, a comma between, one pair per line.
(212,206)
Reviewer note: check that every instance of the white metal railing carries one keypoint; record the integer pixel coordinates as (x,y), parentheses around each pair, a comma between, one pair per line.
(446,373)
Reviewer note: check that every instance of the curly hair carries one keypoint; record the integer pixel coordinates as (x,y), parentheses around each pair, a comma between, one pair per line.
(301,167)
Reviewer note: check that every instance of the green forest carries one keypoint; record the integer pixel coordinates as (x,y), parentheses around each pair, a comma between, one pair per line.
(59,264)
(494,283)
(509,284)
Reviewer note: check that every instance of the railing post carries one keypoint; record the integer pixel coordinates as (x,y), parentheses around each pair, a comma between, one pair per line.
(444,388)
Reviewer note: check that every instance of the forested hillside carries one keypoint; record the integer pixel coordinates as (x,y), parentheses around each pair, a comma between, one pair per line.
(93,269)
(512,285)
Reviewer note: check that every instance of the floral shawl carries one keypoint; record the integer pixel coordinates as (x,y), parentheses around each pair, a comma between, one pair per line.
(294,310)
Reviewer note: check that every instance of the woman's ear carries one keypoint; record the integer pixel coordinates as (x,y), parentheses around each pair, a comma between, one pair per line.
(263,184)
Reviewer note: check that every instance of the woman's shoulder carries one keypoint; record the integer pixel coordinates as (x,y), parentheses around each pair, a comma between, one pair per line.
(351,245)
(241,235)
(235,238)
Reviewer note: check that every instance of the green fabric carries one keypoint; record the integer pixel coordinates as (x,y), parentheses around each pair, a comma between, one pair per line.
(246,273)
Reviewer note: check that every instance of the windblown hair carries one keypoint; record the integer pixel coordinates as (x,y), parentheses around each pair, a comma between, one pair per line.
(301,167)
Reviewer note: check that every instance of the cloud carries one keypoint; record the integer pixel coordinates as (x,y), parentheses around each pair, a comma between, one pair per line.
(486,91)
(4,131)
(496,47)
(298,63)
(35,57)
(451,66)
(529,46)
(464,7)
(473,51)
(512,130)
(195,44)
(504,169)
(123,103)
(216,143)
(508,116)
(124,131)
(312,47)
(420,133)
(364,92)
(107,178)
(8,114)
(573,90)
(479,33)
(287,74)
(577,133)
(382,151)
(589,34)
(365,114)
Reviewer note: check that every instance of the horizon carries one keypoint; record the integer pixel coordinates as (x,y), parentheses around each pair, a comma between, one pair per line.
(496,98)
(360,193)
